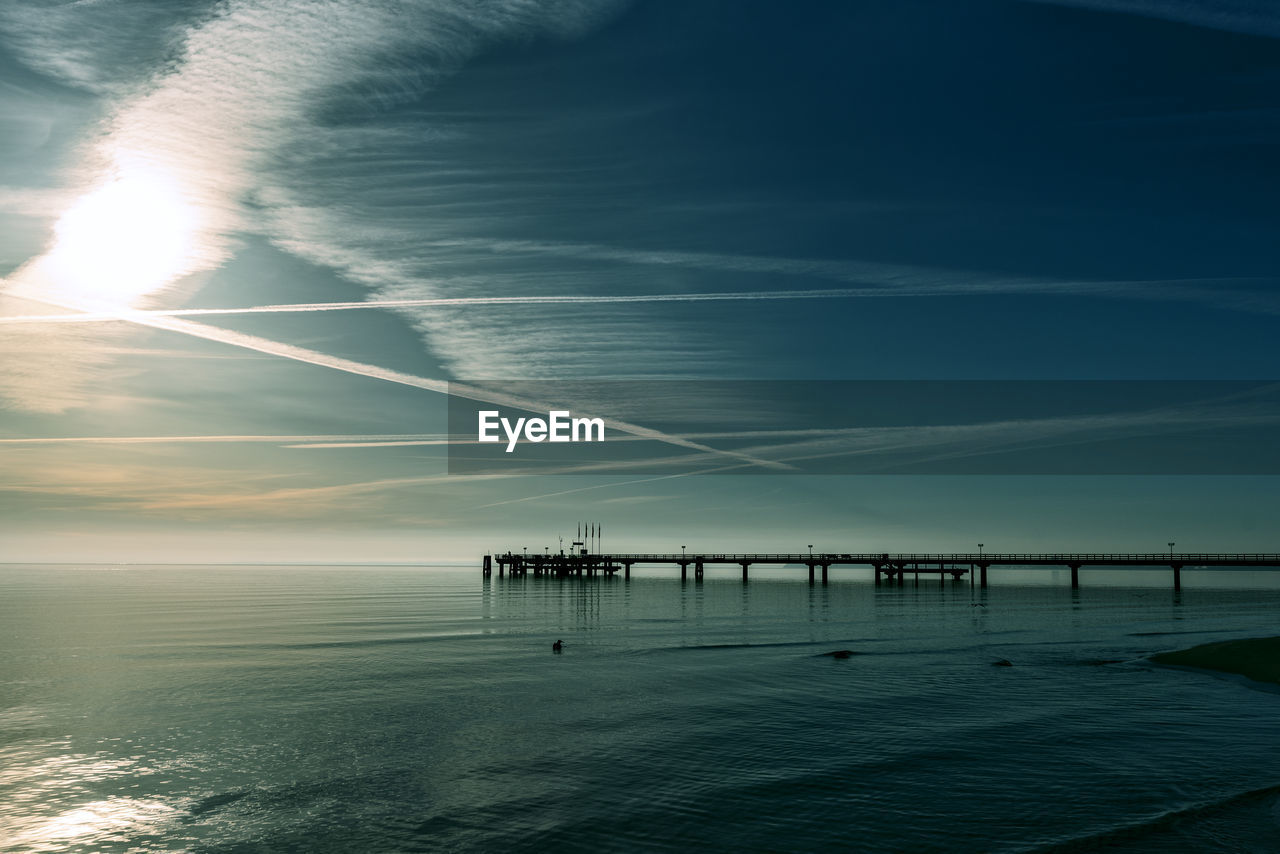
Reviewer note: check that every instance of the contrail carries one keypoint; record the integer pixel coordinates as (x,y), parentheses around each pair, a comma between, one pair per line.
(293,441)
(369,443)
(392,441)
(325,360)
(1186,290)
(562,299)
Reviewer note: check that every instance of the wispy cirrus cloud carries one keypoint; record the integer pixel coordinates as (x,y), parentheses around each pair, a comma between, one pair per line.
(429,280)
(899,280)
(230,86)
(251,84)
(37,203)
(1255,17)
(45,370)
(107,48)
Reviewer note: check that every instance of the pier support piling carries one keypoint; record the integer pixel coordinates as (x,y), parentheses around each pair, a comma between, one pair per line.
(1075,576)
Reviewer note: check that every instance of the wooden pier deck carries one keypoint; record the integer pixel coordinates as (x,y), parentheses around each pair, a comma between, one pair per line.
(886,567)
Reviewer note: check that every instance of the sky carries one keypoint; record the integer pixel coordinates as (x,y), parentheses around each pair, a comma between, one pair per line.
(507,195)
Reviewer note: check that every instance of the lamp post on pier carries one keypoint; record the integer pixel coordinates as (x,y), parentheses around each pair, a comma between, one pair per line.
(1171,545)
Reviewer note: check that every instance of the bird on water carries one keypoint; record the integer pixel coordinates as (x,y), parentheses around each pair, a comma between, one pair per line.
(557,646)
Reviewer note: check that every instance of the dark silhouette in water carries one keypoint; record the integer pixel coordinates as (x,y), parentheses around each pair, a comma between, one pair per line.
(557,646)
(1004,662)
(840,653)
(213,802)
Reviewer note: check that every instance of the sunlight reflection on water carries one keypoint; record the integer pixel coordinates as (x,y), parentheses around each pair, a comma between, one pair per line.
(50,803)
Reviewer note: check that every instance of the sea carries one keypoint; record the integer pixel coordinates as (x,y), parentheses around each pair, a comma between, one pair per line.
(403,709)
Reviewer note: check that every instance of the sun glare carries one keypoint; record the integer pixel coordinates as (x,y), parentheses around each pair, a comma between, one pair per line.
(123,240)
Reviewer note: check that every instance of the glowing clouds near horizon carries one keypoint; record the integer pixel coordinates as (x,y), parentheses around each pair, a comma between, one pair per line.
(121,241)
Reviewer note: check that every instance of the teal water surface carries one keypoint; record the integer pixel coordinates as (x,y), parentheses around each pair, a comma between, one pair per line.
(259,709)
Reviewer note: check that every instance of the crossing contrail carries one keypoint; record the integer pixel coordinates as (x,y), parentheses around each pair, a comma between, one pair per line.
(302,441)
(350,366)
(446,302)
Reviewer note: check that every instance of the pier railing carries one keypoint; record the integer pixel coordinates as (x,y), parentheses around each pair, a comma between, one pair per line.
(892,566)
(990,558)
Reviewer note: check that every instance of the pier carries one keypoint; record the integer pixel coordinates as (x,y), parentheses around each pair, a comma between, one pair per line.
(887,568)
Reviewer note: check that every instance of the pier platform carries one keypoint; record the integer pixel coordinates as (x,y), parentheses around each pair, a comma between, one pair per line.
(890,568)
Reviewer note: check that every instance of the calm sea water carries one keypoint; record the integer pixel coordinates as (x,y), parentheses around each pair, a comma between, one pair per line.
(260,709)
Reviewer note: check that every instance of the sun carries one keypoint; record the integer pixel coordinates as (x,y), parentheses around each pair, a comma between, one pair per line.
(122,240)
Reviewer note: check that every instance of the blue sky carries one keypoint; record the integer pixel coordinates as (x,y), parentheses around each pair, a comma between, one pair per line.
(883,190)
